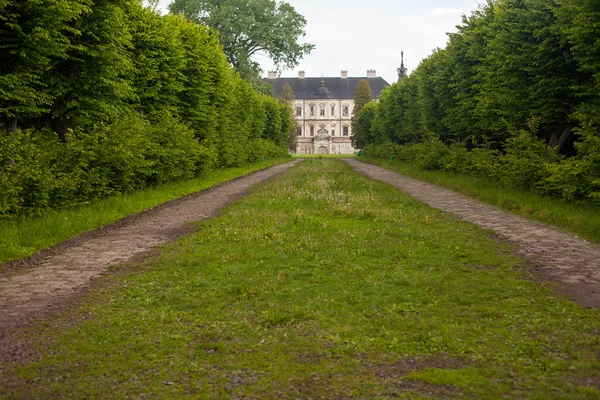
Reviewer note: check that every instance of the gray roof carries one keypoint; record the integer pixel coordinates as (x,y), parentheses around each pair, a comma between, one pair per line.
(337,88)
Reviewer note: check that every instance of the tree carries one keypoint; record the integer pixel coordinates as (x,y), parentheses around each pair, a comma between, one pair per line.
(90,84)
(158,60)
(526,73)
(364,122)
(34,34)
(580,26)
(287,98)
(362,96)
(247,27)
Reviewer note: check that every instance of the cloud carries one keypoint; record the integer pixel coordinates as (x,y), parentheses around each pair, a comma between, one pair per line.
(445,11)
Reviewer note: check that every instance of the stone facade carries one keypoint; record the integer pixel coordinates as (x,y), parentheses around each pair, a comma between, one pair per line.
(323,126)
(323,110)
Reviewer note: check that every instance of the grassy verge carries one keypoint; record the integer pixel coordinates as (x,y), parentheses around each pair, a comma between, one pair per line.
(23,236)
(322,155)
(323,284)
(580,219)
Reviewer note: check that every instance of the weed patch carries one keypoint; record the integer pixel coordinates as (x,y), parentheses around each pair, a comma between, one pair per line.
(321,284)
(22,236)
(582,219)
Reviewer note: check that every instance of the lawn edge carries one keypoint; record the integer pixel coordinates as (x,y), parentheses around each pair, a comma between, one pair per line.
(565,228)
(11,267)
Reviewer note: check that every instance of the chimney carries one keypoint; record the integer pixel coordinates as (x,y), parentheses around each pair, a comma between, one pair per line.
(344,74)
(272,74)
(371,73)
(301,74)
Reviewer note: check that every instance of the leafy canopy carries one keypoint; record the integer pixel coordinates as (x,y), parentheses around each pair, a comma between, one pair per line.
(362,97)
(247,27)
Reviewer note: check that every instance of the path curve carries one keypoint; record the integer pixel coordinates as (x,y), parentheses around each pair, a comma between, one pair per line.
(62,274)
(557,256)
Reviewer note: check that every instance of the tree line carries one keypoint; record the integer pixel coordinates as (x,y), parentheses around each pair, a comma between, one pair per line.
(101,97)
(515,96)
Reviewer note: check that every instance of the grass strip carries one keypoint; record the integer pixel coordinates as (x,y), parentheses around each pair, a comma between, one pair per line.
(581,219)
(322,284)
(23,236)
(322,156)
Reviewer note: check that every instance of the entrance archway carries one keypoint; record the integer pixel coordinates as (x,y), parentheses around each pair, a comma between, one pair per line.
(322,150)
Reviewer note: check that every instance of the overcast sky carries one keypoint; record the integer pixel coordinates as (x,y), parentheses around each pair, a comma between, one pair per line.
(356,35)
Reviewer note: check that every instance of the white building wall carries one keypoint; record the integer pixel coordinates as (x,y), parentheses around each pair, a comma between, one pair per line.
(330,125)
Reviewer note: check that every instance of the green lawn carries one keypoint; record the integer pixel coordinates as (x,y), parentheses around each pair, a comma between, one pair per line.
(322,155)
(580,219)
(22,236)
(322,284)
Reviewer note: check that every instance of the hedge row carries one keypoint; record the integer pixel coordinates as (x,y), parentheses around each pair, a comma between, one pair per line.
(119,98)
(525,162)
(515,96)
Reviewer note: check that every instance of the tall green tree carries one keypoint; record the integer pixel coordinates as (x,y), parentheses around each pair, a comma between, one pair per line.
(249,27)
(33,35)
(362,96)
(287,98)
(158,58)
(91,83)
(580,27)
(527,74)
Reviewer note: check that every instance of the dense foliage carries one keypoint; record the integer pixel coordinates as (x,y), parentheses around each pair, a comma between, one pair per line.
(248,27)
(514,96)
(362,97)
(287,97)
(105,97)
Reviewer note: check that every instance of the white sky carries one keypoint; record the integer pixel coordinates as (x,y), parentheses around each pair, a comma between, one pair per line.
(357,35)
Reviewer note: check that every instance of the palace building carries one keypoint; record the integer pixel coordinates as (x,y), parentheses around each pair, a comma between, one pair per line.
(323,109)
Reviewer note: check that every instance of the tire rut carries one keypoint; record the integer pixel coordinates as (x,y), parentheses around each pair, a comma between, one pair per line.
(555,255)
(63,273)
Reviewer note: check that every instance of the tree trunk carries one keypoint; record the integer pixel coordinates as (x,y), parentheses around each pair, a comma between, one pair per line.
(558,141)
(11,125)
(62,127)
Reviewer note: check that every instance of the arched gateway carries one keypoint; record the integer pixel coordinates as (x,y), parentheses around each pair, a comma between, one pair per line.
(322,150)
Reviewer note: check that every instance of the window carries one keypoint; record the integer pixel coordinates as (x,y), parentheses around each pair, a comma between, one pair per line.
(312,110)
(345,111)
(299,131)
(332,111)
(299,111)
(322,111)
(312,131)
(345,131)
(332,131)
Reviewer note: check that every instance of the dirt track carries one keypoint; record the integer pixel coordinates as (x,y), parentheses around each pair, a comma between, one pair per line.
(556,256)
(60,275)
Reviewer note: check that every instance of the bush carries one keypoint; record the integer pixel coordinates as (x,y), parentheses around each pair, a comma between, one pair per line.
(383,150)
(526,163)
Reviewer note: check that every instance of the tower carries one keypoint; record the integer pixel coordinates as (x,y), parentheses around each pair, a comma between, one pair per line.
(402,70)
